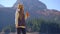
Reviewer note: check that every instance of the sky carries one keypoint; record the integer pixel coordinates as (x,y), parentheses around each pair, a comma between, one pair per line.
(51,4)
(7,3)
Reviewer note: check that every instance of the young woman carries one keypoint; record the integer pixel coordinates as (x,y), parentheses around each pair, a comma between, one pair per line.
(20,19)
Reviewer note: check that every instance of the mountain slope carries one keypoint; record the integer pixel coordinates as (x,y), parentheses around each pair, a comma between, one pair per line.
(6,17)
(1,6)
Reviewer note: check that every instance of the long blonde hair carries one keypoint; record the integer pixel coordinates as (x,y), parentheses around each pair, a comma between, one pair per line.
(21,12)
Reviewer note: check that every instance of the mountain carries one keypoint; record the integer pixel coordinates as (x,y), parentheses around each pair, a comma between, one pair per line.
(6,17)
(37,8)
(1,5)
(31,5)
(48,14)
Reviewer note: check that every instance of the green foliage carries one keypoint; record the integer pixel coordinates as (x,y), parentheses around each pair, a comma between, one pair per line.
(9,28)
(34,24)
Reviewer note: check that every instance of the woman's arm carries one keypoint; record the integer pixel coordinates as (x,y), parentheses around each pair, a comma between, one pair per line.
(16,19)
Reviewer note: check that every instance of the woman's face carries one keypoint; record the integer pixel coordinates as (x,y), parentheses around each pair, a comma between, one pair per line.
(18,9)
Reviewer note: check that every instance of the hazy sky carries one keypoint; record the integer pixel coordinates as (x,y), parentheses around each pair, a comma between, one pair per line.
(51,4)
(7,3)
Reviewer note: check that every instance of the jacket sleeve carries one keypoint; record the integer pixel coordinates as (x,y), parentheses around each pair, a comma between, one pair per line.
(16,18)
(27,15)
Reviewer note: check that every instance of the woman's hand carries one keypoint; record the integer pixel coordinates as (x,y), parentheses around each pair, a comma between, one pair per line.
(16,26)
(27,15)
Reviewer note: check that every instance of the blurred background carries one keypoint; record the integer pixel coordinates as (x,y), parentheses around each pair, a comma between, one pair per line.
(44,16)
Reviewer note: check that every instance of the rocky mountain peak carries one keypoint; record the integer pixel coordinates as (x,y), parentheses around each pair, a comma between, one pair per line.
(31,4)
